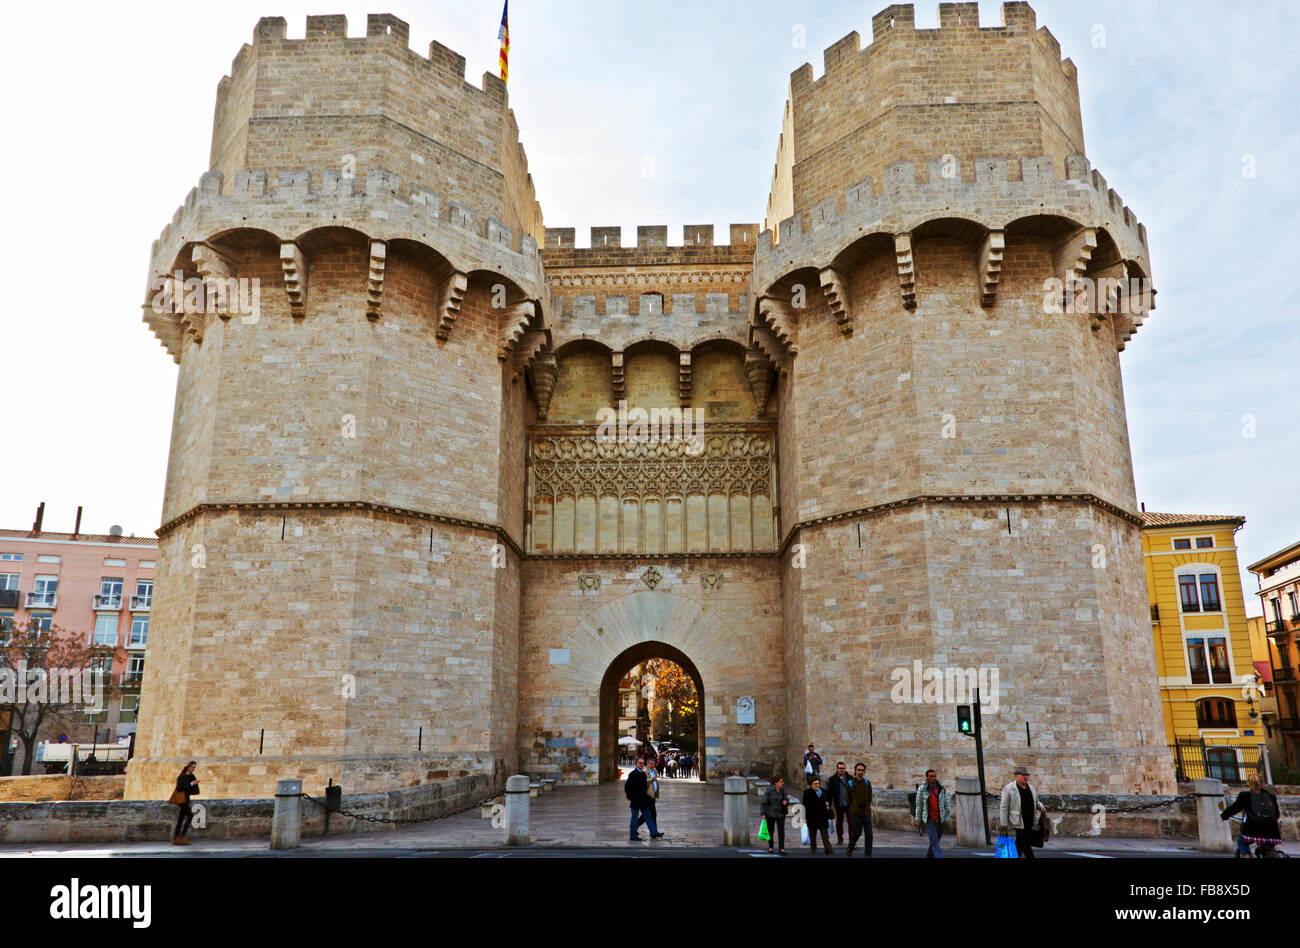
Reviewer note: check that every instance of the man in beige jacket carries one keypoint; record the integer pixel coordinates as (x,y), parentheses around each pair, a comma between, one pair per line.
(1020,811)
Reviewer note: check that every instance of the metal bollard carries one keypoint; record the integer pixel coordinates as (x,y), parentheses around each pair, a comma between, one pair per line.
(735,812)
(286,821)
(1216,834)
(517,832)
(970,824)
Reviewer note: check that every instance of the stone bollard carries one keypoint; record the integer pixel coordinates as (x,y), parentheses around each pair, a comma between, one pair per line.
(517,831)
(286,821)
(970,823)
(1216,834)
(735,812)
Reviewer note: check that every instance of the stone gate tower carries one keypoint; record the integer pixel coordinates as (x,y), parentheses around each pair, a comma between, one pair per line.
(397,547)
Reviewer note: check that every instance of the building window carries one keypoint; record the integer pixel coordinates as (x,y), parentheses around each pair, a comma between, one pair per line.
(48,558)
(8,581)
(1187,593)
(1182,543)
(130,708)
(1216,713)
(1277,609)
(143,598)
(11,557)
(110,593)
(1221,764)
(139,632)
(1207,660)
(105,631)
(44,591)
(1204,543)
(134,671)
(40,622)
(146,564)
(1295,605)
(6,630)
(1210,593)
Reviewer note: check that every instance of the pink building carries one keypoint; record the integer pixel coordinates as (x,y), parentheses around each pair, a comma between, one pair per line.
(93,585)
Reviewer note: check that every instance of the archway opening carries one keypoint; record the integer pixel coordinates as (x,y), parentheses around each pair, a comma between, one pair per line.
(665,698)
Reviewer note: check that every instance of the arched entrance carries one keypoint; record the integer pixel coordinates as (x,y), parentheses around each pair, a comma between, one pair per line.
(609,700)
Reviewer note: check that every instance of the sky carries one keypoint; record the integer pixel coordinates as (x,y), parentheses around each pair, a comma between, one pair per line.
(1188,111)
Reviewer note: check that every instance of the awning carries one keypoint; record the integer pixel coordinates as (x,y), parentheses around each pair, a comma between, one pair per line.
(1264,670)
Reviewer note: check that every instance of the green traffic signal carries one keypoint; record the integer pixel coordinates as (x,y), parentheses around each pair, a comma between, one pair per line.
(964,721)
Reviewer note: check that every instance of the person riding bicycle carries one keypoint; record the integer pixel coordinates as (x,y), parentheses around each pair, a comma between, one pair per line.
(1261,809)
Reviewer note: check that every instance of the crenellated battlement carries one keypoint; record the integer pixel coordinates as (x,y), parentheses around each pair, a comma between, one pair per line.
(290,204)
(327,98)
(385,32)
(1002,193)
(894,29)
(650,237)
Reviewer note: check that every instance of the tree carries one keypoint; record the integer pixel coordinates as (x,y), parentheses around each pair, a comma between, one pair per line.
(677,691)
(51,675)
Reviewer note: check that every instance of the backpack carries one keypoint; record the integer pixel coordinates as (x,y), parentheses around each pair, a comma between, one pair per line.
(1263,806)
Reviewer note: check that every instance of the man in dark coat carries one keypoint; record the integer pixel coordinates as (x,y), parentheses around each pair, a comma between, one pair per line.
(838,789)
(637,791)
(859,809)
(817,814)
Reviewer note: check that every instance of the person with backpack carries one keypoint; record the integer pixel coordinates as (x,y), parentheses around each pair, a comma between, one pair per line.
(1262,812)
(775,805)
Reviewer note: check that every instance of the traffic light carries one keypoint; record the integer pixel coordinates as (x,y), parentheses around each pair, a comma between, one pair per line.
(964,720)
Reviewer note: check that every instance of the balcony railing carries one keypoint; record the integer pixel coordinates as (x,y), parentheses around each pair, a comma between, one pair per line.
(42,600)
(137,641)
(141,603)
(8,599)
(108,601)
(1289,724)
(130,679)
(1284,674)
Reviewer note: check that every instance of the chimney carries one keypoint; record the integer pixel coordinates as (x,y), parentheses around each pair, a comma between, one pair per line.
(76,529)
(40,518)
(1144,508)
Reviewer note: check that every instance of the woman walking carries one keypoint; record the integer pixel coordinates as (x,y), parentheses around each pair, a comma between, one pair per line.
(186,786)
(774,806)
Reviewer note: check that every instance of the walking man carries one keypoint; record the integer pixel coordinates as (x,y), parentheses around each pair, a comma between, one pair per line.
(638,801)
(1021,811)
(859,809)
(837,788)
(932,811)
(812,765)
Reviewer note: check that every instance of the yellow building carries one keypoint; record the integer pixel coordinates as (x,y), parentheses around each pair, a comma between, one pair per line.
(1203,652)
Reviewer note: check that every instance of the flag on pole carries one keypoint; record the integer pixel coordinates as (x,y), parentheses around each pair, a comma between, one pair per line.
(504,36)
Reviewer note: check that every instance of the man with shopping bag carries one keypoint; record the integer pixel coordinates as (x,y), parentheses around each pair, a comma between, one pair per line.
(1020,811)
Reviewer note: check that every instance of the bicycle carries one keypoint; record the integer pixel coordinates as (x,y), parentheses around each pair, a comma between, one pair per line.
(1264,849)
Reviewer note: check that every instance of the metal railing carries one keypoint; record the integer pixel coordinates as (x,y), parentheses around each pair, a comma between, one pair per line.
(108,601)
(1194,760)
(42,600)
(141,603)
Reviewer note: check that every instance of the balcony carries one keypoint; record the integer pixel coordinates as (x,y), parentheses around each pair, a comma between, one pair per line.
(8,599)
(1284,674)
(137,641)
(42,600)
(130,680)
(106,601)
(141,603)
(1289,724)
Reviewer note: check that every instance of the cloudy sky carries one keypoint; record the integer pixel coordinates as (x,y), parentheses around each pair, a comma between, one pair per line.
(1188,111)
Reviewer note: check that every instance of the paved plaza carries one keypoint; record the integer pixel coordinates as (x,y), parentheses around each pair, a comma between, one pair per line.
(593,821)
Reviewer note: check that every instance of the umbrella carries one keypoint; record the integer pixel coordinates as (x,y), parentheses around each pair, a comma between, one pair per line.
(628,741)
